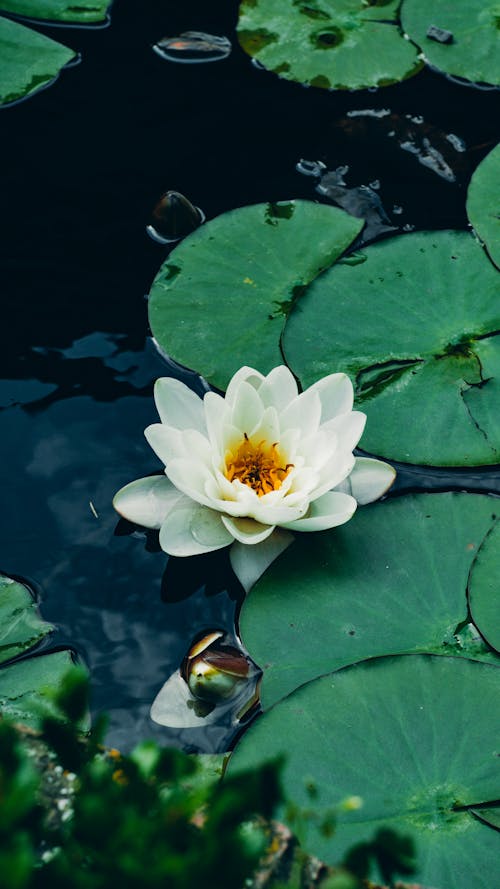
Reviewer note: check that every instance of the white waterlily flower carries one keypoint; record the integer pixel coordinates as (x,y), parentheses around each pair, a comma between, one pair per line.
(250,468)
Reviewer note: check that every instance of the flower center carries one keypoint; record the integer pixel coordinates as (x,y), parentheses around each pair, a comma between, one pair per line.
(258,466)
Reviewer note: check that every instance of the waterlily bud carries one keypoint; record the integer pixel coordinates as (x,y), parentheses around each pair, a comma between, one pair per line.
(173,218)
(214,672)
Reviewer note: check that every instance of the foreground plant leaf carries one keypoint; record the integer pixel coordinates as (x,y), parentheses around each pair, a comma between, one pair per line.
(221,298)
(474,50)
(483,203)
(416,326)
(362,590)
(484,588)
(30,61)
(344,44)
(59,10)
(21,626)
(415,737)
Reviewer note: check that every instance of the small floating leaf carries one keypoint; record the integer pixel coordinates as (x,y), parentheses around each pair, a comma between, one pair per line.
(413,736)
(221,298)
(345,44)
(361,591)
(484,589)
(192,47)
(81,11)
(416,327)
(483,202)
(21,626)
(474,50)
(30,61)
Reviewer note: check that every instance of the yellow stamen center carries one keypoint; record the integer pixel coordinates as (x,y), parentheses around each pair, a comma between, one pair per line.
(258,466)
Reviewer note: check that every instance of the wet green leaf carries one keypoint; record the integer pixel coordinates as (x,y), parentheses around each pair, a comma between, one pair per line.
(474,51)
(392,580)
(483,202)
(344,44)
(21,626)
(27,687)
(415,737)
(416,328)
(80,11)
(484,588)
(221,298)
(30,61)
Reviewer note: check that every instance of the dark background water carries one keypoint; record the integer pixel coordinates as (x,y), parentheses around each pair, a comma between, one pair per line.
(84,163)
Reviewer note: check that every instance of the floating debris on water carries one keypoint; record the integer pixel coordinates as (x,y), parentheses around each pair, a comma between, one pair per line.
(174,217)
(361,201)
(429,157)
(192,47)
(310,168)
(370,112)
(457,142)
(440,35)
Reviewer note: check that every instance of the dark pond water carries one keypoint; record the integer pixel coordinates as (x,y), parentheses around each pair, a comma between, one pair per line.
(85,161)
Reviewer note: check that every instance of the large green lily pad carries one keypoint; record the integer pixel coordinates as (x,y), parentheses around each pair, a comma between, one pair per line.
(30,61)
(21,626)
(416,327)
(82,11)
(483,202)
(474,52)
(392,580)
(484,588)
(416,738)
(26,687)
(334,44)
(221,298)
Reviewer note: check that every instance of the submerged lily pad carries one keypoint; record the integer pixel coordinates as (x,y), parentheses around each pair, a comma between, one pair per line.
(416,327)
(483,202)
(21,626)
(361,590)
(484,588)
(81,11)
(474,48)
(345,44)
(26,686)
(30,61)
(221,298)
(415,737)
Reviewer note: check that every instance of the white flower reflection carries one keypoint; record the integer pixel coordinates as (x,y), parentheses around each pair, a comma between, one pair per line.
(250,468)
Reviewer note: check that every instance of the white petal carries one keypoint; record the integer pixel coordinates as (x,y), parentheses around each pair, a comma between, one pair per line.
(178,406)
(250,562)
(369,480)
(216,413)
(171,444)
(146,501)
(348,428)
(332,509)
(191,529)
(332,474)
(247,408)
(336,394)
(244,374)
(303,413)
(190,477)
(247,530)
(279,388)
(281,514)
(267,428)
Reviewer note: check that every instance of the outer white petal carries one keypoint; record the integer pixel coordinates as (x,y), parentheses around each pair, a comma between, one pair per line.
(279,388)
(336,394)
(369,480)
(244,374)
(332,509)
(348,428)
(250,562)
(332,474)
(216,412)
(247,530)
(247,408)
(178,406)
(165,441)
(277,515)
(147,501)
(190,478)
(303,413)
(191,529)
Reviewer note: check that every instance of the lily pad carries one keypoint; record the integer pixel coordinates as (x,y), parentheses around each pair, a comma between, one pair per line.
(21,626)
(27,685)
(484,588)
(361,590)
(489,816)
(483,202)
(416,327)
(30,61)
(221,298)
(82,11)
(344,44)
(474,48)
(413,736)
